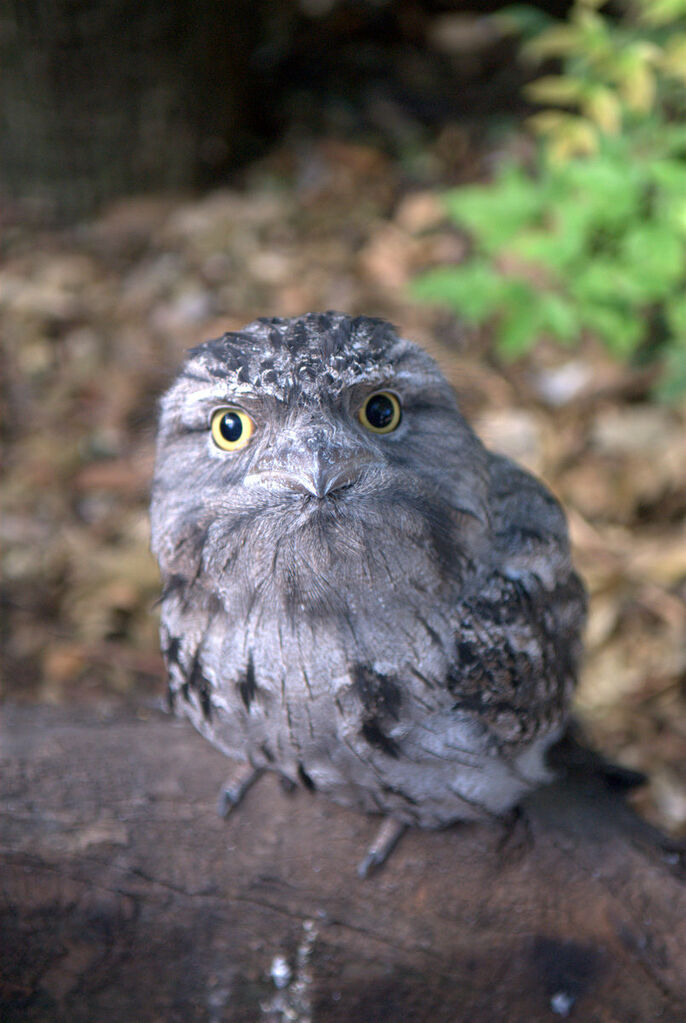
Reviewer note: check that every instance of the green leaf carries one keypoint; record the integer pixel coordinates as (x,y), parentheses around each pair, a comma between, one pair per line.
(673,61)
(559,317)
(521,321)
(595,238)
(603,282)
(636,80)
(675,313)
(521,19)
(601,105)
(669,174)
(671,386)
(494,213)
(669,193)
(620,328)
(574,137)
(560,90)
(608,188)
(472,289)
(658,257)
(673,138)
(596,40)
(661,12)
(553,249)
(557,41)
(574,229)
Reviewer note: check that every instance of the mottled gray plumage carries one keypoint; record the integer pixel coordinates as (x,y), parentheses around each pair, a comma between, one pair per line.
(391,619)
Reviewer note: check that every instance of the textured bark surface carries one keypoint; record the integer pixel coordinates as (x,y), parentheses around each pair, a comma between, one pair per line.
(125,897)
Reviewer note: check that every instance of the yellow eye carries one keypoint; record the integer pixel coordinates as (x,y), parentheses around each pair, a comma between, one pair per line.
(231,428)
(381,412)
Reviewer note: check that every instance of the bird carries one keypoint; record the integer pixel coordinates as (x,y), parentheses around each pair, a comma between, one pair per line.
(356,593)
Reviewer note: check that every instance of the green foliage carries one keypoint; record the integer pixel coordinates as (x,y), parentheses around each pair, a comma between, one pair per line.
(593,239)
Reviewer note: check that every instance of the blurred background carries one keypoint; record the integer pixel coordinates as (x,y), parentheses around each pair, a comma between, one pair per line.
(507,185)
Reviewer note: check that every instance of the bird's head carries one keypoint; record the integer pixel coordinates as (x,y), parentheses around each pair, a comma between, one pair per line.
(299,456)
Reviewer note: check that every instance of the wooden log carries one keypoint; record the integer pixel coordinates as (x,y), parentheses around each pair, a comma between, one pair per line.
(126,898)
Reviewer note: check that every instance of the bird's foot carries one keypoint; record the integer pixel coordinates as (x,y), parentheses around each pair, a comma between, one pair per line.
(517,837)
(382,846)
(287,785)
(236,786)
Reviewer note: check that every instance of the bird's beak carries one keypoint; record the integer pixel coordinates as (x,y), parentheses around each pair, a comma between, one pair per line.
(317,476)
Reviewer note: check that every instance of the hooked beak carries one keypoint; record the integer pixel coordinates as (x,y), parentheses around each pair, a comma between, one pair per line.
(318,478)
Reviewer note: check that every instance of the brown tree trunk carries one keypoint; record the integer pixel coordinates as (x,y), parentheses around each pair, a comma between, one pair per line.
(126,898)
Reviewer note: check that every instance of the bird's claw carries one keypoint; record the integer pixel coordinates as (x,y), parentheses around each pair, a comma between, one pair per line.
(381,848)
(235,787)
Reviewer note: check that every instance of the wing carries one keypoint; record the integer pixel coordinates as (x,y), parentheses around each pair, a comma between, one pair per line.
(519,643)
(187,614)
(528,524)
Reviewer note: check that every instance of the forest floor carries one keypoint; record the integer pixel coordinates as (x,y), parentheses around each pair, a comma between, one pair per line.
(94,321)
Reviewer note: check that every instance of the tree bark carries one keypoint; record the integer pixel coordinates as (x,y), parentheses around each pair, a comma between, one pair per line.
(126,898)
